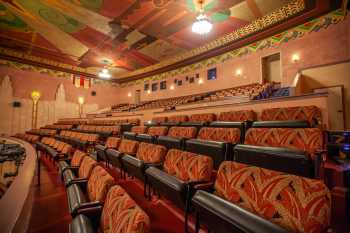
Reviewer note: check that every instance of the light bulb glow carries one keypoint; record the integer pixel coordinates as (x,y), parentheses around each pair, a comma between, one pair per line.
(172,87)
(202,25)
(149,92)
(104,73)
(238,72)
(295,58)
(81,100)
(200,81)
(129,94)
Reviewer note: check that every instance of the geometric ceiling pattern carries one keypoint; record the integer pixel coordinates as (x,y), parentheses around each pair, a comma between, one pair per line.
(124,35)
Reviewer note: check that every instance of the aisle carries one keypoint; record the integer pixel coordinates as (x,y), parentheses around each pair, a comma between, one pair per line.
(50,210)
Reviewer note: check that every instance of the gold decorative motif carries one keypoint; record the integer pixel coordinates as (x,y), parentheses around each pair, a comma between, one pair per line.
(35,97)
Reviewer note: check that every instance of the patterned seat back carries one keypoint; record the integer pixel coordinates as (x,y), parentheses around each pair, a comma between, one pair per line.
(135,121)
(312,114)
(121,214)
(128,146)
(99,183)
(139,129)
(295,203)
(159,119)
(77,158)
(178,118)
(188,166)
(230,135)
(309,140)
(182,132)
(203,117)
(243,115)
(158,131)
(86,167)
(113,142)
(151,153)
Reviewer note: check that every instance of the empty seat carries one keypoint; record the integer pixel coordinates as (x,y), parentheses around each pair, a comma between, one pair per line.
(215,142)
(111,143)
(202,117)
(74,174)
(175,120)
(74,162)
(182,172)
(89,192)
(126,147)
(177,136)
(312,114)
(147,155)
(255,199)
(243,115)
(120,213)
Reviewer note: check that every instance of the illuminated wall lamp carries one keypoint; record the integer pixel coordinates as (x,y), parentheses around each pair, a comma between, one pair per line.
(200,81)
(172,87)
(148,92)
(129,94)
(238,73)
(295,58)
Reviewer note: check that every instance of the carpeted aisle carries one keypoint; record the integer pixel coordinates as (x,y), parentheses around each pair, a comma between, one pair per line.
(50,210)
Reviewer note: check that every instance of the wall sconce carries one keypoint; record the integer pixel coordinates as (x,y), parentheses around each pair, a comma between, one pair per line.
(172,87)
(238,73)
(148,92)
(81,103)
(35,97)
(295,58)
(200,81)
(129,94)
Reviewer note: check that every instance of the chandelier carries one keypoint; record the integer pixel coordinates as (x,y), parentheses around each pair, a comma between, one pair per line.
(202,25)
(104,73)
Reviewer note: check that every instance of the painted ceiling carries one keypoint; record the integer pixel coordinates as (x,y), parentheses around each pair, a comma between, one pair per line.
(125,35)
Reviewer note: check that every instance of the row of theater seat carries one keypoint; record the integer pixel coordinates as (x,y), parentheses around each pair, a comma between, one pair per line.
(100,129)
(177,174)
(311,114)
(77,139)
(95,202)
(55,148)
(58,126)
(42,132)
(28,137)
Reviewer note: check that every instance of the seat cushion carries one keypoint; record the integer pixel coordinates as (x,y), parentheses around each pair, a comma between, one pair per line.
(75,197)
(81,224)
(98,184)
(295,203)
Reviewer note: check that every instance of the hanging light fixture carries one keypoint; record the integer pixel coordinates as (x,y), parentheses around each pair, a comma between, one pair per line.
(202,25)
(104,73)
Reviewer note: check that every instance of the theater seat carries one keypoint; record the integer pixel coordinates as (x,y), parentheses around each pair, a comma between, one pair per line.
(246,196)
(74,174)
(182,172)
(111,143)
(215,142)
(177,136)
(74,163)
(89,193)
(120,213)
(126,147)
(147,155)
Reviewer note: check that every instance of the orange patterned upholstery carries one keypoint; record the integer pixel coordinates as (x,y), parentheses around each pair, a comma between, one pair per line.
(230,135)
(98,184)
(113,142)
(159,119)
(182,132)
(178,118)
(128,146)
(312,114)
(203,117)
(86,167)
(295,203)
(77,158)
(158,131)
(139,129)
(309,140)
(151,153)
(135,121)
(121,214)
(188,166)
(243,115)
